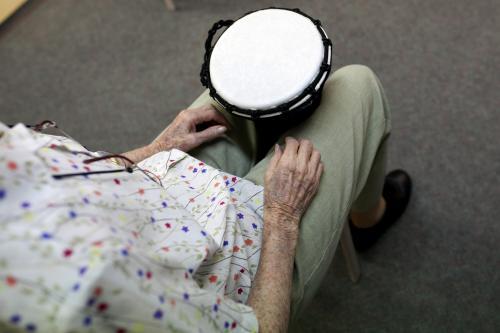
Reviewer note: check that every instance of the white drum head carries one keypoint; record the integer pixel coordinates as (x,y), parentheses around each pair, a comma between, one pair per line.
(266,58)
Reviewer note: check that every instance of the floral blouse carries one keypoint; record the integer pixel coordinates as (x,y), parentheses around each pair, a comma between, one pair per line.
(173,249)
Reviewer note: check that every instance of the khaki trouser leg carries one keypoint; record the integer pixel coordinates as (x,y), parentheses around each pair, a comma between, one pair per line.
(349,128)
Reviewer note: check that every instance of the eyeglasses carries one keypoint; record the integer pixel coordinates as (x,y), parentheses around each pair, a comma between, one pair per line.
(46,124)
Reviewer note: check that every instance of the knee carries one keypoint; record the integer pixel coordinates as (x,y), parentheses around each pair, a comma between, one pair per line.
(358,77)
(358,86)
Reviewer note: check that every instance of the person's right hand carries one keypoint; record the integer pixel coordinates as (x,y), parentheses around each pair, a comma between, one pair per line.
(182,133)
(292,178)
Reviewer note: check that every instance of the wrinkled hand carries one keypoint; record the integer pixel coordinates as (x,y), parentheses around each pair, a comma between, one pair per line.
(292,178)
(182,133)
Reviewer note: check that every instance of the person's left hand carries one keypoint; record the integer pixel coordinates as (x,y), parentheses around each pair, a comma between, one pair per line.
(183,134)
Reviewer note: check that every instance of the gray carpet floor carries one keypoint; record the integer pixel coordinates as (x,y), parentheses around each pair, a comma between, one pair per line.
(113,73)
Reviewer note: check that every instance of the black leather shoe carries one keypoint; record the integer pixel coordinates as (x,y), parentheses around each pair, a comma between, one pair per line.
(397,192)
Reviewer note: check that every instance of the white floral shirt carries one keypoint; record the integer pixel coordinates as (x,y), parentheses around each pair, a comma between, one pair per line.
(173,249)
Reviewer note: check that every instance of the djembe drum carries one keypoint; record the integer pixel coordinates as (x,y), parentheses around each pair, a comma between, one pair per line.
(268,66)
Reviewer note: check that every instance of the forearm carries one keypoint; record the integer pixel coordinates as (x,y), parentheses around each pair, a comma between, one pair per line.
(270,296)
(140,154)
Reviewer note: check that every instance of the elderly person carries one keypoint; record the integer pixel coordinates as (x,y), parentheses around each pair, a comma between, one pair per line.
(159,240)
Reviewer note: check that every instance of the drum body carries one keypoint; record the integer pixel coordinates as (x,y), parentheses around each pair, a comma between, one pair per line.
(269,64)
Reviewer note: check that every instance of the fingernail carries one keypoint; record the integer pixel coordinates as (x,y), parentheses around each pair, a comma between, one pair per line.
(221,129)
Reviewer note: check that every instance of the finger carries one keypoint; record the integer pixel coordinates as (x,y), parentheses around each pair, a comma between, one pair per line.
(304,154)
(276,157)
(291,147)
(317,178)
(273,163)
(208,113)
(319,172)
(289,158)
(314,161)
(209,134)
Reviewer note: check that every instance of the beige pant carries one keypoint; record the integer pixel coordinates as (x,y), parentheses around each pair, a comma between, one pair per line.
(349,128)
